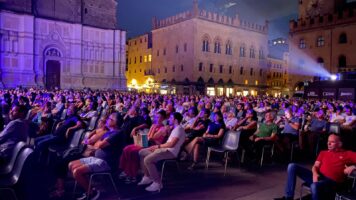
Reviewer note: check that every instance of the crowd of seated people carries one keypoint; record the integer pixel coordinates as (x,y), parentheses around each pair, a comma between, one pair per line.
(175,124)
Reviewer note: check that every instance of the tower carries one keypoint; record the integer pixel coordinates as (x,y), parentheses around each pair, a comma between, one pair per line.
(99,13)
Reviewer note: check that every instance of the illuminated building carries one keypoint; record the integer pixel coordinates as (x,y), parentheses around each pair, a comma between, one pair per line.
(322,40)
(201,52)
(277,63)
(139,72)
(64,44)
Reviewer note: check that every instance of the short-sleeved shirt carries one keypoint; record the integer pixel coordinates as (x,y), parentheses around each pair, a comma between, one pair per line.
(69,122)
(266,130)
(112,152)
(317,125)
(214,128)
(288,129)
(177,132)
(333,163)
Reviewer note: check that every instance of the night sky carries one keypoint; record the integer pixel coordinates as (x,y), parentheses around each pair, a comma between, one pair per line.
(135,16)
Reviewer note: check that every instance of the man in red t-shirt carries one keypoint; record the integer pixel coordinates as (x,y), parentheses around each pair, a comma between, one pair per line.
(327,172)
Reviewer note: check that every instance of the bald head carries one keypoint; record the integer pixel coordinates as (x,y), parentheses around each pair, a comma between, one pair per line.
(334,142)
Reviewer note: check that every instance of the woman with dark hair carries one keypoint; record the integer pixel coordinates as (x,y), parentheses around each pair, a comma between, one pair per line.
(247,126)
(130,160)
(211,137)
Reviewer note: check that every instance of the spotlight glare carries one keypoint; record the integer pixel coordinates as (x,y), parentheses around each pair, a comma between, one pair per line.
(333,77)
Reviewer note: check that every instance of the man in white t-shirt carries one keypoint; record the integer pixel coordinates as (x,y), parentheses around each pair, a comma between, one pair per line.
(169,150)
(350,119)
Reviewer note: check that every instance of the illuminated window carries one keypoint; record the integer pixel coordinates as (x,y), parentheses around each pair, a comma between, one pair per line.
(149,58)
(256,82)
(246,82)
(210,91)
(145,58)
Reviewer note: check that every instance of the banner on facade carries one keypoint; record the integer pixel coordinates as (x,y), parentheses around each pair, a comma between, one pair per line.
(329,93)
(313,93)
(347,93)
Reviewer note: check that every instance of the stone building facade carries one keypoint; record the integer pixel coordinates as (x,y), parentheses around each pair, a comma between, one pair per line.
(278,70)
(139,61)
(200,52)
(321,41)
(64,44)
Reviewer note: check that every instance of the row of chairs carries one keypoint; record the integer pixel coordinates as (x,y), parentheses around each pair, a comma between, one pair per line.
(11,174)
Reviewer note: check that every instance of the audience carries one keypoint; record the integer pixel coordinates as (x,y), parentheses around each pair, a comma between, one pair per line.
(253,116)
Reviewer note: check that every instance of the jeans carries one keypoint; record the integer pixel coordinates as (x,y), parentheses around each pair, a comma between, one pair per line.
(324,188)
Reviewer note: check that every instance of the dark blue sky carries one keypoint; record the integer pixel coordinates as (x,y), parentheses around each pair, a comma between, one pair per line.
(135,16)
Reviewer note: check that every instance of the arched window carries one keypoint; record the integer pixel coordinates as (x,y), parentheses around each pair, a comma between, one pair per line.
(252,52)
(217,46)
(302,44)
(228,48)
(206,41)
(342,61)
(320,41)
(242,51)
(343,38)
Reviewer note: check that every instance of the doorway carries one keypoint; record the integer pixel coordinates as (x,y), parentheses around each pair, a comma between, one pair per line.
(53,74)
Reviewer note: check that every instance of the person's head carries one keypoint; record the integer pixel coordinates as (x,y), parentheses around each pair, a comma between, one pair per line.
(144,111)
(93,105)
(175,118)
(231,115)
(102,122)
(288,113)
(47,107)
(334,142)
(240,106)
(161,116)
(218,117)
(205,114)
(320,114)
(18,112)
(114,121)
(348,110)
(268,117)
(133,111)
(193,111)
(72,110)
(250,113)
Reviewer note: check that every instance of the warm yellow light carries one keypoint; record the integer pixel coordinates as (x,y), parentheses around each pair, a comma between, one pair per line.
(133,82)
(246,82)
(145,58)
(256,82)
(149,58)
